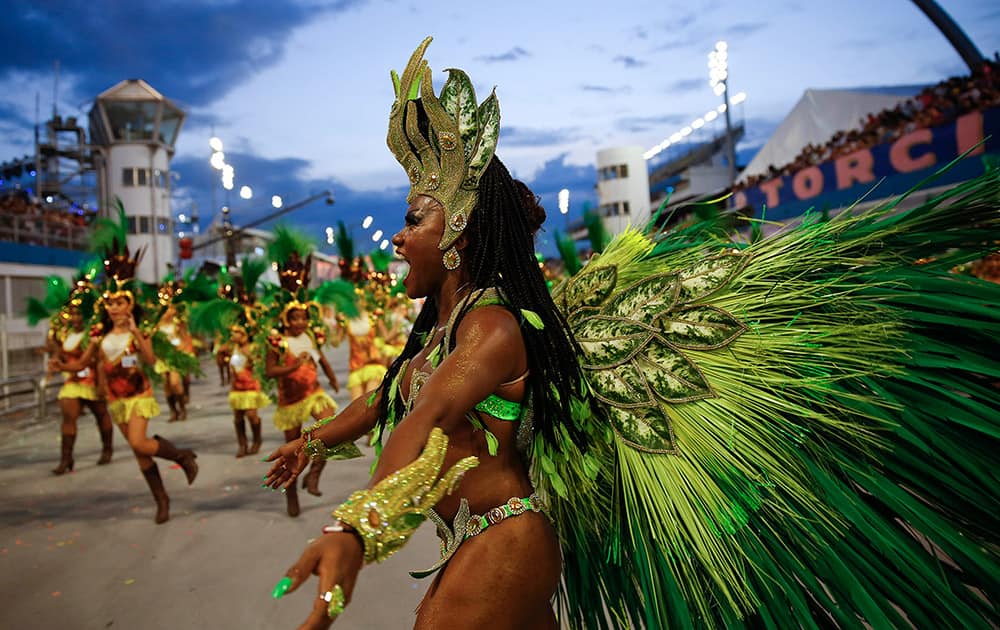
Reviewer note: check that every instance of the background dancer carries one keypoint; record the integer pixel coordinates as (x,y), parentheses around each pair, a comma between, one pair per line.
(69,335)
(293,346)
(122,353)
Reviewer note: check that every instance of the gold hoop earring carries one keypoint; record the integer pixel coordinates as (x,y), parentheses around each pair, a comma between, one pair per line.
(451,259)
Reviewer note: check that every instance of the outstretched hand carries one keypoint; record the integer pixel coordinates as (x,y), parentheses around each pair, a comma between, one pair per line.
(336,559)
(289,460)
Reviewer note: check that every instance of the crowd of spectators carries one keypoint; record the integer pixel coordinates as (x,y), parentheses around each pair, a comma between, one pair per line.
(933,106)
(24,220)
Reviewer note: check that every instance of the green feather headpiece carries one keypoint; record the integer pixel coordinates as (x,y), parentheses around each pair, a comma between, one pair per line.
(448,161)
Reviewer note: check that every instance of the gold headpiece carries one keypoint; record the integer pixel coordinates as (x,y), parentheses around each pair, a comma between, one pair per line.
(447,163)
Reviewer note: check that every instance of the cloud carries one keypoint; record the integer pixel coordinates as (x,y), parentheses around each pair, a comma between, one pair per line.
(525,137)
(688,85)
(629,61)
(513,54)
(667,123)
(195,52)
(605,89)
(742,29)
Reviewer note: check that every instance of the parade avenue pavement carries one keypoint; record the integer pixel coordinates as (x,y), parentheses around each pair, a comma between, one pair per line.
(82,551)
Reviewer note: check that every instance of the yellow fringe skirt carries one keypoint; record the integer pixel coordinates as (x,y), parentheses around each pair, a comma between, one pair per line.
(142,405)
(290,416)
(366,374)
(78,390)
(242,401)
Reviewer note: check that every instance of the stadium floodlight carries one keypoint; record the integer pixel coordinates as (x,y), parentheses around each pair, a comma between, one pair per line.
(376,236)
(215,144)
(276,201)
(246,192)
(367,222)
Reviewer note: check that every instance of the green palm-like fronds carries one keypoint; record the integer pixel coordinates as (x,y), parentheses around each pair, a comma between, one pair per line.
(288,240)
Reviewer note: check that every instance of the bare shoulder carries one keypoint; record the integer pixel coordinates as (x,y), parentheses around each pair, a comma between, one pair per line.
(492,323)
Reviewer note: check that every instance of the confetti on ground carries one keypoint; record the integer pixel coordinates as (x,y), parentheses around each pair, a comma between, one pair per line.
(56,593)
(130,581)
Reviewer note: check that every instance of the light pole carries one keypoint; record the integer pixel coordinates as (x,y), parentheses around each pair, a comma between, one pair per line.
(718,66)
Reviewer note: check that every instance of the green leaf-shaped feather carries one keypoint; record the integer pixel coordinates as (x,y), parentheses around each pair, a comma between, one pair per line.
(673,377)
(607,342)
(590,287)
(644,300)
(710,275)
(646,428)
(458,98)
(700,328)
(620,386)
(489,132)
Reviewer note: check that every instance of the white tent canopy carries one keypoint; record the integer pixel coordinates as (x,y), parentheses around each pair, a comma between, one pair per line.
(818,115)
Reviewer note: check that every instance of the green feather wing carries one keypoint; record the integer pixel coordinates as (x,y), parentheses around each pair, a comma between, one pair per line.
(786,433)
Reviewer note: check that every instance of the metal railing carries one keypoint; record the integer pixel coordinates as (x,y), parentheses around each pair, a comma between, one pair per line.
(27,396)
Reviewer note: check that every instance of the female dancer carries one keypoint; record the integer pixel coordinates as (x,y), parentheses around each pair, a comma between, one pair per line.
(468,370)
(79,390)
(245,396)
(795,432)
(175,384)
(293,349)
(121,354)
(366,365)
(292,359)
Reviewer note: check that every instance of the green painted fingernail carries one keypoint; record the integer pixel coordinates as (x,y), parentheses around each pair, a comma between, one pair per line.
(281,587)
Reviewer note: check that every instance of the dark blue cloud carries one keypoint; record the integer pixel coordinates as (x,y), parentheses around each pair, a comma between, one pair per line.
(629,61)
(513,54)
(192,51)
(288,178)
(555,175)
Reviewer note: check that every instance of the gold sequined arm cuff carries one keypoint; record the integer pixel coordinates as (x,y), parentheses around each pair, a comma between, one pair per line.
(386,515)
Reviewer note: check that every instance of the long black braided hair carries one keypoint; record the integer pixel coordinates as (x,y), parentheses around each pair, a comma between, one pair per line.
(501,254)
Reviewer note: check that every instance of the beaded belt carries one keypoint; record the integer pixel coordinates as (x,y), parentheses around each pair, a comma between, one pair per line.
(466,525)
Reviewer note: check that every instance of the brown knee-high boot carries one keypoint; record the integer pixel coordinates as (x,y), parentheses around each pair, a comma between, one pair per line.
(152,475)
(255,445)
(106,437)
(66,460)
(292,501)
(184,457)
(172,402)
(311,481)
(241,437)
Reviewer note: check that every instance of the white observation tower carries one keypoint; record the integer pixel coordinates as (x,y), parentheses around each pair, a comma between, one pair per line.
(133,129)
